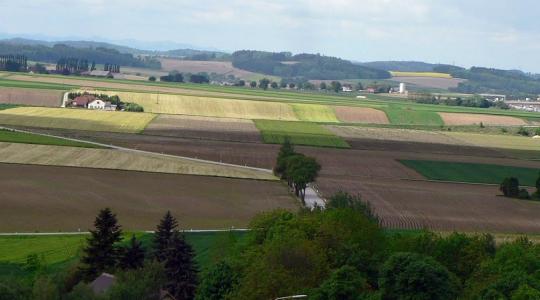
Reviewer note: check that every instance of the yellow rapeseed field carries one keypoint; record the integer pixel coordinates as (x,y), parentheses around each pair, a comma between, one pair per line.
(420,74)
(79,119)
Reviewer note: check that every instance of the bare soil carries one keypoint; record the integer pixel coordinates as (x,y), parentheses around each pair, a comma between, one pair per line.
(476,119)
(401,196)
(360,115)
(50,199)
(35,97)
(431,82)
(192,66)
(205,128)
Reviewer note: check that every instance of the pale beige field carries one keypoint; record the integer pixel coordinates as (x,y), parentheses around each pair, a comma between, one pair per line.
(393,134)
(36,97)
(191,66)
(496,141)
(208,107)
(476,119)
(81,119)
(119,160)
(420,74)
(349,114)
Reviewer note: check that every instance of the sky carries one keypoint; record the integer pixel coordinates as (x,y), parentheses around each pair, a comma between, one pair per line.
(492,33)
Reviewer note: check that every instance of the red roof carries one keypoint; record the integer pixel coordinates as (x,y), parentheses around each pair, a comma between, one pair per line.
(83,100)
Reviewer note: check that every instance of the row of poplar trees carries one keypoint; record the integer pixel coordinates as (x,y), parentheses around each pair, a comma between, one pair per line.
(104,254)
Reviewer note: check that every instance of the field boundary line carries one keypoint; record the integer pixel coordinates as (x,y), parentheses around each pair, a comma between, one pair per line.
(457,182)
(145,231)
(110,146)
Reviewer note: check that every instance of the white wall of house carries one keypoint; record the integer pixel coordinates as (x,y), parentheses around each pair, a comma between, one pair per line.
(97,104)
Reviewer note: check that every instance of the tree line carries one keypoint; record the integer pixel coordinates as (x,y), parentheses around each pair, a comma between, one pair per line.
(100,55)
(309,66)
(179,77)
(13,63)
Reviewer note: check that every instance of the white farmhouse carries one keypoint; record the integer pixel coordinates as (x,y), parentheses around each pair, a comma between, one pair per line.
(102,105)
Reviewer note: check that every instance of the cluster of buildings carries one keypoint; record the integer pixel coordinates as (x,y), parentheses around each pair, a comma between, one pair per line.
(91,102)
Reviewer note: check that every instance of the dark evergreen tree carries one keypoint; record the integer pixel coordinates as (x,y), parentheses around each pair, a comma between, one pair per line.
(163,235)
(132,256)
(101,253)
(180,269)
(217,282)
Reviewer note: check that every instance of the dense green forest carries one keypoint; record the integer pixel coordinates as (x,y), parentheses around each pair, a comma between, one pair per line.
(308,66)
(486,80)
(100,55)
(401,66)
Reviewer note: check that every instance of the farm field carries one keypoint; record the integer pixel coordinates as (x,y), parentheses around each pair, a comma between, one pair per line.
(57,250)
(53,199)
(348,114)
(119,160)
(409,116)
(227,129)
(441,206)
(209,107)
(35,97)
(420,74)
(219,67)
(393,134)
(453,119)
(300,133)
(403,197)
(471,172)
(430,82)
(496,140)
(80,119)
(28,138)
(314,113)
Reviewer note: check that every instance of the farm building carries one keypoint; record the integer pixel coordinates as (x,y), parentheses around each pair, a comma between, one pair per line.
(347,88)
(98,73)
(102,105)
(82,101)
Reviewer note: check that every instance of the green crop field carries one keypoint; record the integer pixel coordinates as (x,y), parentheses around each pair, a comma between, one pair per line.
(28,138)
(300,133)
(406,115)
(80,119)
(55,251)
(471,172)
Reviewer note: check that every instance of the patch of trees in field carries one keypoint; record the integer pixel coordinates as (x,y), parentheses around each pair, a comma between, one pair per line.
(179,77)
(309,66)
(510,188)
(72,65)
(113,68)
(13,63)
(100,55)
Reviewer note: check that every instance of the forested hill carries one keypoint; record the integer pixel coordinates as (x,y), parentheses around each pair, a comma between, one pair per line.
(100,55)
(487,80)
(402,66)
(308,66)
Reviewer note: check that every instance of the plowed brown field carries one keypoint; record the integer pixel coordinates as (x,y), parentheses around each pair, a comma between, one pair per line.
(360,115)
(205,128)
(33,97)
(51,199)
(475,119)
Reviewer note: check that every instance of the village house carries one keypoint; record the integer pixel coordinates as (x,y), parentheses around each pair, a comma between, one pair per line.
(102,105)
(81,101)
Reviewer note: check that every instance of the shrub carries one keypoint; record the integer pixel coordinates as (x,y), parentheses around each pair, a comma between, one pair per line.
(152,78)
(522,131)
(524,194)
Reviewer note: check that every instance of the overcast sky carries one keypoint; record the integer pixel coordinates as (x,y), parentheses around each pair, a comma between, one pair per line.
(495,33)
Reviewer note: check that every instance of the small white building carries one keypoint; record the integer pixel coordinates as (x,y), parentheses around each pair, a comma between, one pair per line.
(402,88)
(346,88)
(102,105)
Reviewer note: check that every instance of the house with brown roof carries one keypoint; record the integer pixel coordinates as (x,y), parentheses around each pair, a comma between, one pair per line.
(81,101)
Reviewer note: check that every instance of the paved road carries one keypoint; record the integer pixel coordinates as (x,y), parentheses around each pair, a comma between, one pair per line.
(313,199)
